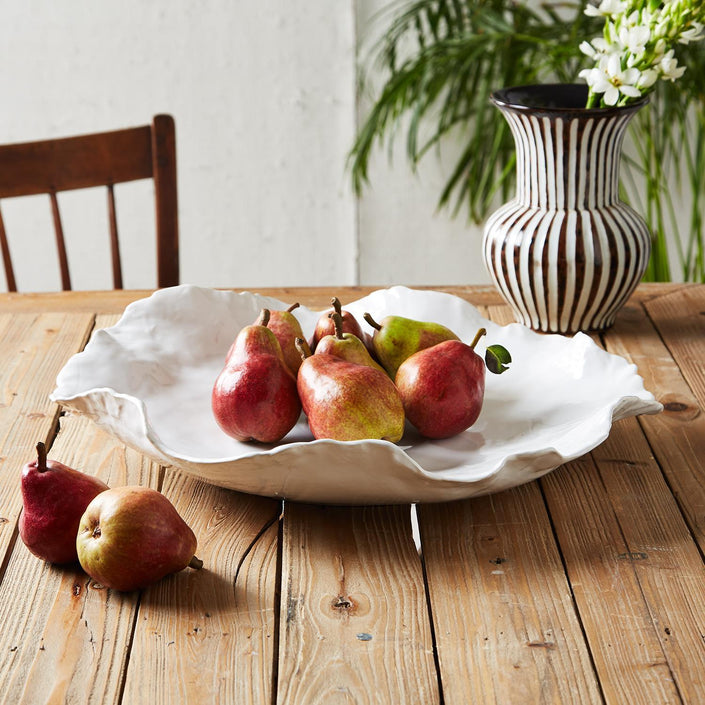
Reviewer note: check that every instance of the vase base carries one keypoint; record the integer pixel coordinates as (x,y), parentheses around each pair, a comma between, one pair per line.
(553,326)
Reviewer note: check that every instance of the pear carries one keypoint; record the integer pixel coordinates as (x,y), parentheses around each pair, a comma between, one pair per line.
(254,397)
(349,402)
(287,329)
(54,496)
(325,325)
(443,387)
(130,537)
(395,338)
(346,345)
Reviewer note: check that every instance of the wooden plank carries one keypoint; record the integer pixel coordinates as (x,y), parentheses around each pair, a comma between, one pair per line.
(33,349)
(196,629)
(625,644)
(505,625)
(311,296)
(623,640)
(354,622)
(208,636)
(667,561)
(62,640)
(680,320)
(677,435)
(66,637)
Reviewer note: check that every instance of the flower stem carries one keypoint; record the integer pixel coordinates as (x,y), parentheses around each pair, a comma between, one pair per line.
(593,99)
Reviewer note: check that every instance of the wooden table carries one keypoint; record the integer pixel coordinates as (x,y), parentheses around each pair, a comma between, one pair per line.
(587,586)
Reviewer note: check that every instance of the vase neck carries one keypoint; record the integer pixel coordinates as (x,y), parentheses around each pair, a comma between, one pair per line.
(567,163)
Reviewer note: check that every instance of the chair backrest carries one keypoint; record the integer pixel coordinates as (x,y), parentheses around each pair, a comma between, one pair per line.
(102,159)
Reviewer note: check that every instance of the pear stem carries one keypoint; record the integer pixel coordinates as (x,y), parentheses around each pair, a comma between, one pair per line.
(300,342)
(263,319)
(478,335)
(336,305)
(292,307)
(41,457)
(372,321)
(338,323)
(195,563)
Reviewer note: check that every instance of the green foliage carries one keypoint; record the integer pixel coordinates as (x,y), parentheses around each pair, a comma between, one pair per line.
(441,60)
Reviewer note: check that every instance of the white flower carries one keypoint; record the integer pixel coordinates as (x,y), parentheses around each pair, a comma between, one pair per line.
(669,67)
(694,34)
(647,79)
(595,49)
(635,38)
(636,46)
(606,8)
(609,78)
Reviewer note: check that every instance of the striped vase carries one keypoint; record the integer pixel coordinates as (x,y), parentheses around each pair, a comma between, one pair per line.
(565,253)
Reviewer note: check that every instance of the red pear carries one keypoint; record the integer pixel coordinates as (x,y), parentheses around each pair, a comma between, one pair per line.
(346,345)
(54,496)
(442,388)
(325,325)
(287,329)
(254,397)
(348,402)
(131,537)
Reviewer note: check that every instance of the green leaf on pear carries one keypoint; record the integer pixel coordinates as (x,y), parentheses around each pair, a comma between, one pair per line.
(497,359)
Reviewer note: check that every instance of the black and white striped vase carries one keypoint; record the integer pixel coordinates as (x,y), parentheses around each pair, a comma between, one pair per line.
(565,253)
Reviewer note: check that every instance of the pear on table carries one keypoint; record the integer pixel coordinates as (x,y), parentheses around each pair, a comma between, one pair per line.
(130,537)
(346,401)
(254,397)
(54,496)
(396,338)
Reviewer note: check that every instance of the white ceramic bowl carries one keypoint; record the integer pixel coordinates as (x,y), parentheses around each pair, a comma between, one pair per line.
(148,379)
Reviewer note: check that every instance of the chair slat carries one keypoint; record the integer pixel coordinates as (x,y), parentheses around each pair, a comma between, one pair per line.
(114,243)
(60,243)
(7,261)
(164,174)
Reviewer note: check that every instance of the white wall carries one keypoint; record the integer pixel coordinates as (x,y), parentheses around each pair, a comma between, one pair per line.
(264,97)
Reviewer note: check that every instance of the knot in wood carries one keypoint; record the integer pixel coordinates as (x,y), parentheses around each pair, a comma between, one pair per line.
(343,603)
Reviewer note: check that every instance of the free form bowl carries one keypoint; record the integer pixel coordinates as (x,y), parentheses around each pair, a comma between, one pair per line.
(147,380)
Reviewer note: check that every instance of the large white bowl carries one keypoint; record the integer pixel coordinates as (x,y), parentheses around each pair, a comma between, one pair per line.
(148,381)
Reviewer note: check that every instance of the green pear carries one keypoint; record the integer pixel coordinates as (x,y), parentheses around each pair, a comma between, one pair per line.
(396,338)
(346,346)
(349,402)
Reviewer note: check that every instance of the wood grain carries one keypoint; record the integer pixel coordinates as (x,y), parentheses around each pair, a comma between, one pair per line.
(354,623)
(506,629)
(34,348)
(624,642)
(667,562)
(66,635)
(677,435)
(680,320)
(208,636)
(115,301)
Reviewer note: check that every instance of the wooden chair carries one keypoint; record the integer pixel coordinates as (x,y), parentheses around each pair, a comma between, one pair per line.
(102,159)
